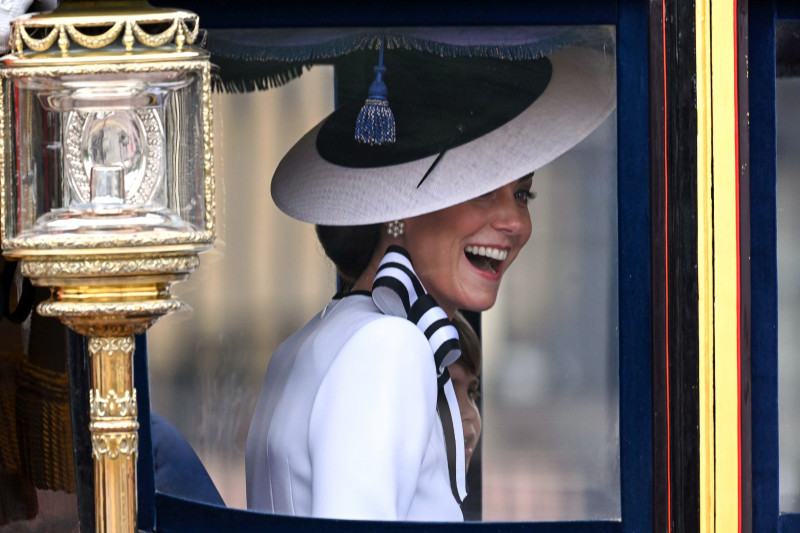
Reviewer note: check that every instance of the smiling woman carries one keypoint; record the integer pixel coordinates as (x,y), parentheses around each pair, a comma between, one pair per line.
(358,417)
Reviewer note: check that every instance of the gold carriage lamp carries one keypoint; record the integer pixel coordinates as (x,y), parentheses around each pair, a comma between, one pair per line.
(107,192)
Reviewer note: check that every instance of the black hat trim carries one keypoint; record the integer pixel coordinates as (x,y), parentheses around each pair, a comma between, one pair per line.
(438,104)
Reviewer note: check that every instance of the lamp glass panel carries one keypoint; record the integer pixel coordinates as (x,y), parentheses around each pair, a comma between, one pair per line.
(8,140)
(77,137)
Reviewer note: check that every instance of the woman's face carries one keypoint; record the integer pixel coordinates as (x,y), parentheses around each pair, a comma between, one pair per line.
(466,386)
(461,253)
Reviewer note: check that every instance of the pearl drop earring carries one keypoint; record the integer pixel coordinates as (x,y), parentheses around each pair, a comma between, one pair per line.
(395,228)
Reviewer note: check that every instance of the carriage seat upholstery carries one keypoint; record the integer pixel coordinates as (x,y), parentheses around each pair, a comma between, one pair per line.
(178,469)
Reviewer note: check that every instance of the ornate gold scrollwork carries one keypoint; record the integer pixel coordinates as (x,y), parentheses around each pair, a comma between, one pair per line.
(208,163)
(115,445)
(104,241)
(178,31)
(99,328)
(39,45)
(68,310)
(127,39)
(111,345)
(112,405)
(63,42)
(159,39)
(95,41)
(191,35)
(109,265)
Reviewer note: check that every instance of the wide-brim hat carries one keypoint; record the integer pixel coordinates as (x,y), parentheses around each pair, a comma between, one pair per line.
(471,116)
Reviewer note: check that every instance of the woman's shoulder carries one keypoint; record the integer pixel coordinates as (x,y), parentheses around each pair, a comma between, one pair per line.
(382,351)
(352,321)
(362,315)
(388,332)
(365,329)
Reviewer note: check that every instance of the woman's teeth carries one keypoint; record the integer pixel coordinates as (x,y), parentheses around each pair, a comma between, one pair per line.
(486,251)
(485,257)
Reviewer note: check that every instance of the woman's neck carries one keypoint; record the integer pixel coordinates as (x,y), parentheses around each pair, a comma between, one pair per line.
(364,281)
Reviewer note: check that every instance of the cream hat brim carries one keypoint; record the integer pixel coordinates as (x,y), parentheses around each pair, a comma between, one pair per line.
(580,95)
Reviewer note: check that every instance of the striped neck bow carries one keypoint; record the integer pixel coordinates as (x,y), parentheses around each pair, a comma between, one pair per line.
(397,291)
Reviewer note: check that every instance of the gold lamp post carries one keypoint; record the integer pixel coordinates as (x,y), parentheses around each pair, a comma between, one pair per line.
(107,192)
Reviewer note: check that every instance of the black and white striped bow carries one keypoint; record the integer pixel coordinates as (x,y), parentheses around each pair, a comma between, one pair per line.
(398,292)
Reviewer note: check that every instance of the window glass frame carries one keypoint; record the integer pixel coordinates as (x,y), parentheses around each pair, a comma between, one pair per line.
(170,513)
(762,18)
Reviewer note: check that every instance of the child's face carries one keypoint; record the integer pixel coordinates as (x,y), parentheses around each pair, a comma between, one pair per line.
(466,386)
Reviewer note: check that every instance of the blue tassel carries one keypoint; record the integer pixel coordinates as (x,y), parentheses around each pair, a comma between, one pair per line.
(375,123)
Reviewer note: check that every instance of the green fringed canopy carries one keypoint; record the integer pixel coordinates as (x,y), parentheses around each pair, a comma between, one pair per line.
(260,58)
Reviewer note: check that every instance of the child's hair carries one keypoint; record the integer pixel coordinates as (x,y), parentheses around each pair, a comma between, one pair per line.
(470,345)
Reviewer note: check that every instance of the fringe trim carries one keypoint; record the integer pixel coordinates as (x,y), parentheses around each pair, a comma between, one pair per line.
(250,66)
(294,54)
(44,427)
(311,53)
(245,83)
(520,52)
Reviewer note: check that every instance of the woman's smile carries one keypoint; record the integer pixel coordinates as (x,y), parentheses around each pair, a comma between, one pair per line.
(487,259)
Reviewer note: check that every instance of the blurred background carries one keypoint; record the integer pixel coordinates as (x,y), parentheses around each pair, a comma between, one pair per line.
(550,446)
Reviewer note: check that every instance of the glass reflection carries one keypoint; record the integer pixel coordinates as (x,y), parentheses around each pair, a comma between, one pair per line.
(207,367)
(117,138)
(551,448)
(788,255)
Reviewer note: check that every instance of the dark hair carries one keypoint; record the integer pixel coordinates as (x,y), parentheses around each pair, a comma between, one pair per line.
(350,248)
(470,345)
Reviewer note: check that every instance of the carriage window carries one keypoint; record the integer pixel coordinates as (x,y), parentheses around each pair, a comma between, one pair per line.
(266,277)
(788,252)
(551,450)
(550,447)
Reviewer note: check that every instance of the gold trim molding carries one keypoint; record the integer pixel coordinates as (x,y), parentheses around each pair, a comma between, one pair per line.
(718,267)
(184,27)
(140,240)
(208,154)
(108,266)
(112,404)
(115,445)
(111,346)
(98,310)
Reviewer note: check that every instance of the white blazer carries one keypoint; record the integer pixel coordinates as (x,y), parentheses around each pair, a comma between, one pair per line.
(346,423)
